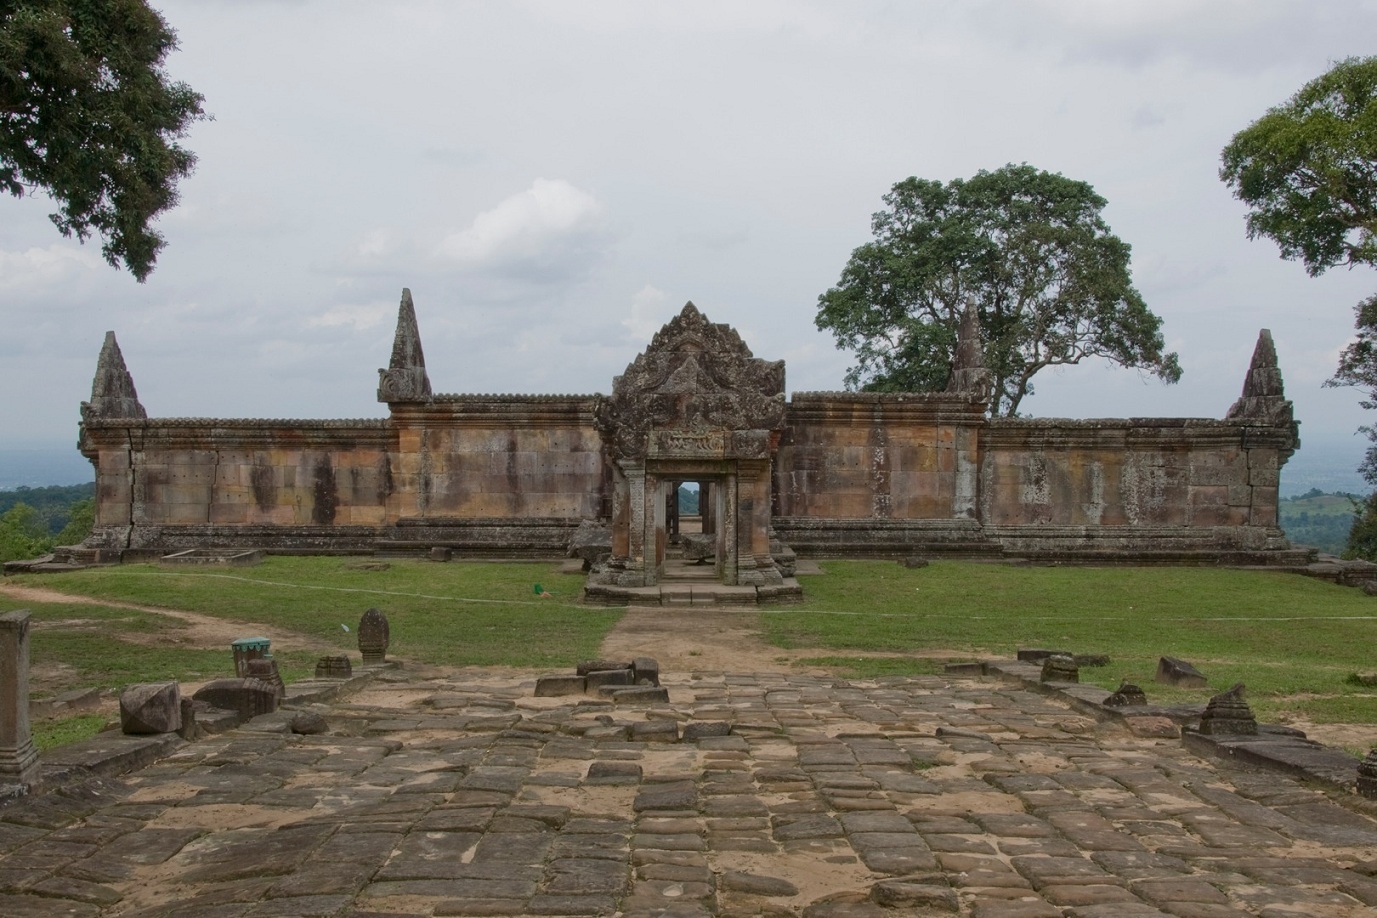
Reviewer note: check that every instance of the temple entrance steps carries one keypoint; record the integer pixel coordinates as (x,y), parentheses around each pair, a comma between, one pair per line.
(686,583)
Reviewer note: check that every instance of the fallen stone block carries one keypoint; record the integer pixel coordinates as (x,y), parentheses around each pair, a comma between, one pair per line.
(1171,671)
(335,666)
(593,666)
(247,698)
(309,723)
(151,708)
(557,685)
(1060,668)
(635,694)
(645,671)
(601,677)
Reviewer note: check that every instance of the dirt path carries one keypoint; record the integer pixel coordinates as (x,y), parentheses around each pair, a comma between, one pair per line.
(707,640)
(199,631)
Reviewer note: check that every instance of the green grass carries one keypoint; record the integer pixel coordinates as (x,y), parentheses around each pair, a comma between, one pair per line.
(443,614)
(1294,641)
(48,734)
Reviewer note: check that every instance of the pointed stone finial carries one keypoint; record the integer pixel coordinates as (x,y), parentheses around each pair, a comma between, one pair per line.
(405,379)
(968,372)
(1264,398)
(112,391)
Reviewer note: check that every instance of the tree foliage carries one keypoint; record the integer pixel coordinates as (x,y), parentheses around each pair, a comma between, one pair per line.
(1028,249)
(1307,170)
(88,116)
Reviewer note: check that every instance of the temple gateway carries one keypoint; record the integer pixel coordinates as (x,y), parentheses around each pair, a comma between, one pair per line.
(835,474)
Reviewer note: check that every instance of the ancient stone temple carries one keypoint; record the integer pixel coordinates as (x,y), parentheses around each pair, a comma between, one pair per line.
(816,474)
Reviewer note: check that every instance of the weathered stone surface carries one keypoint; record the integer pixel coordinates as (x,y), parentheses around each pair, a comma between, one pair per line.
(591,542)
(614,773)
(1367,775)
(1148,725)
(309,723)
(656,731)
(374,636)
(265,669)
(903,894)
(600,677)
(1172,671)
(1228,714)
(700,729)
(551,686)
(1128,694)
(335,666)
(246,697)
(151,708)
(635,694)
(645,671)
(1060,668)
(755,885)
(112,391)
(405,379)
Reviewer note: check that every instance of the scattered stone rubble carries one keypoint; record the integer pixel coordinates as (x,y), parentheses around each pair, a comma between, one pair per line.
(633,681)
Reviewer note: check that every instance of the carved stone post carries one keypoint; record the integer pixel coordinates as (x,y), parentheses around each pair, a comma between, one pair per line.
(965,499)
(728,544)
(18,757)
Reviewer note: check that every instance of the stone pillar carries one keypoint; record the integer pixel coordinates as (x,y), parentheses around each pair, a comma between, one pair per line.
(707,512)
(966,496)
(728,545)
(755,565)
(18,757)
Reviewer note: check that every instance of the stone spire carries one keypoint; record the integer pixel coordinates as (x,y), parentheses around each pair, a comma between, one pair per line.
(968,372)
(1264,399)
(405,379)
(112,391)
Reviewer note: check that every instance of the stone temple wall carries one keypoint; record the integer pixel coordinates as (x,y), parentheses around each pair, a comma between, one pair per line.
(851,474)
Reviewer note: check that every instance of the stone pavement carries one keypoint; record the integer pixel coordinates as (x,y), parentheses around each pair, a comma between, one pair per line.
(459,793)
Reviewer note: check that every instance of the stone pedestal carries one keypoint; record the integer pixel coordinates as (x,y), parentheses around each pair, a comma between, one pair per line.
(18,757)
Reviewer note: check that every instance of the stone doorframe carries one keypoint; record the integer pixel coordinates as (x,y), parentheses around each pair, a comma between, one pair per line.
(640,538)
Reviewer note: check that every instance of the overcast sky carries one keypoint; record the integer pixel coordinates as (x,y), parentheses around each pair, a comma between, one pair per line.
(554,180)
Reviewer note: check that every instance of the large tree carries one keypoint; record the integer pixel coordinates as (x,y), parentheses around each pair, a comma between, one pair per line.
(1027,250)
(88,116)
(1307,170)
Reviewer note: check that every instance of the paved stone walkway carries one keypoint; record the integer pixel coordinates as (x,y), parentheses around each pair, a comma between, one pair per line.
(461,794)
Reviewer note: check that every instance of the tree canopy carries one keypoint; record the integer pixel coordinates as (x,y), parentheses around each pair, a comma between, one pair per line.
(1028,250)
(1307,170)
(88,116)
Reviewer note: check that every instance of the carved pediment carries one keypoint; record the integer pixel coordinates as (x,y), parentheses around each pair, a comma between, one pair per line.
(697,386)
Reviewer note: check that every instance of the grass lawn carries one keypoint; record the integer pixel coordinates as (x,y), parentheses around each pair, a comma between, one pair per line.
(1294,641)
(445,614)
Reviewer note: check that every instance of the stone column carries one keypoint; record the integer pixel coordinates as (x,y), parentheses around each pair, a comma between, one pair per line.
(727,542)
(18,757)
(966,495)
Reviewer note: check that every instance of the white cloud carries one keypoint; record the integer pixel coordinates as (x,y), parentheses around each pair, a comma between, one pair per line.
(36,269)
(649,311)
(549,232)
(355,316)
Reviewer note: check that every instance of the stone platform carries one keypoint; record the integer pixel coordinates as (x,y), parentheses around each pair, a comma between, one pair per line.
(459,793)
